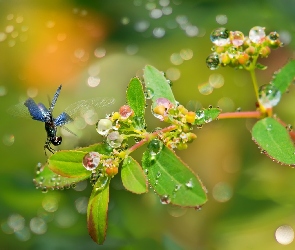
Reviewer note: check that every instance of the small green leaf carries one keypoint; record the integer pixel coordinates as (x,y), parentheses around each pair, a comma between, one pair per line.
(274,140)
(284,77)
(133,177)
(172,179)
(135,97)
(97,213)
(102,148)
(261,66)
(68,163)
(206,115)
(47,179)
(157,85)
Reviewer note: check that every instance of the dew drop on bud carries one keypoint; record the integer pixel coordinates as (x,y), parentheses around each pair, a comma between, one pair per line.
(165,199)
(220,36)
(212,61)
(114,139)
(256,34)
(200,114)
(273,36)
(103,126)
(237,38)
(269,95)
(149,93)
(91,160)
(125,111)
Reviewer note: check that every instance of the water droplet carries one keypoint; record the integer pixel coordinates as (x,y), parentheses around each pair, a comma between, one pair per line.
(216,80)
(237,38)
(177,187)
(146,171)
(114,139)
(222,192)
(103,126)
(212,61)
(269,96)
(125,111)
(200,114)
(189,184)
(284,234)
(91,160)
(158,175)
(44,190)
(149,93)
(269,127)
(205,88)
(165,199)
(257,34)
(101,183)
(155,147)
(220,36)
(233,52)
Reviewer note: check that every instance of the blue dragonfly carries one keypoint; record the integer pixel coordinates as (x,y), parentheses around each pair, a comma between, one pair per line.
(38,112)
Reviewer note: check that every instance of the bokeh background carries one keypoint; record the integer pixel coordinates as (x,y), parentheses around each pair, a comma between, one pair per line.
(93,48)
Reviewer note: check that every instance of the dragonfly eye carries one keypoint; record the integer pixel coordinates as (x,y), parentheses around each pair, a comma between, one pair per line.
(56,140)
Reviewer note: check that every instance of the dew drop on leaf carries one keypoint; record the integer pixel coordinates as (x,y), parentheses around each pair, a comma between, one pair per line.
(91,160)
(165,199)
(189,184)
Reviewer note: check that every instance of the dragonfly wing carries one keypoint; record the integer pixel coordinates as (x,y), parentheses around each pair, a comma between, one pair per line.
(54,99)
(35,111)
(62,119)
(79,108)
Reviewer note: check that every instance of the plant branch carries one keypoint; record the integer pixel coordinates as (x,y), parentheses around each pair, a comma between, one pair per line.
(246,114)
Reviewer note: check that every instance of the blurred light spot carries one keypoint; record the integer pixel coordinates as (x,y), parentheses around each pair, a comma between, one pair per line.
(284,234)
(81,205)
(9,28)
(141,26)
(79,123)
(80,186)
(75,10)
(16,222)
(19,19)
(164,3)
(32,92)
(23,38)
(285,37)
(24,28)
(137,2)
(173,74)
(14,34)
(176,59)
(186,54)
(176,211)
(90,117)
(46,216)
(192,30)
(181,19)
(216,80)
(193,105)
(177,2)
(93,81)
(156,13)
(38,225)
(100,52)
(221,19)
(125,20)
(50,203)
(171,24)
(61,37)
(205,88)
(23,234)
(50,24)
(84,12)
(150,6)
(222,192)
(167,10)
(10,17)
(159,32)
(93,70)
(226,104)
(51,48)
(65,218)
(3,90)
(79,53)
(8,139)
(3,36)
(132,49)
(6,228)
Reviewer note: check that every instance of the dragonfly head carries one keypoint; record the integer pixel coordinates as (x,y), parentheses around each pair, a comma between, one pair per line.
(56,140)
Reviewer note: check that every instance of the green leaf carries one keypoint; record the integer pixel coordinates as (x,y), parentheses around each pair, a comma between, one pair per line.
(172,179)
(274,140)
(157,85)
(135,97)
(206,115)
(97,213)
(284,77)
(46,179)
(261,66)
(68,163)
(133,177)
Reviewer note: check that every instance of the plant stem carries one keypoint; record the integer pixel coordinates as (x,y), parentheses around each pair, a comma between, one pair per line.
(246,114)
(254,81)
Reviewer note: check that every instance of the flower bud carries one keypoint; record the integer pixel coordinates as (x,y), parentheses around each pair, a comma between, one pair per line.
(190,117)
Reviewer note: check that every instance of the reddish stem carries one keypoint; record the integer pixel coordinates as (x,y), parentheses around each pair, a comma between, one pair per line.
(246,114)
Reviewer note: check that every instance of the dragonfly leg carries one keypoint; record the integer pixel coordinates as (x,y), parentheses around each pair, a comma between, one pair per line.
(47,146)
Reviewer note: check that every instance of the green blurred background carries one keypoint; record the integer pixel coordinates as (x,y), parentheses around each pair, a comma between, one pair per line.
(93,48)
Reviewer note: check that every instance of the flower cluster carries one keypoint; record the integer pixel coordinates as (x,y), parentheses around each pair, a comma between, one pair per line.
(236,50)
